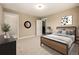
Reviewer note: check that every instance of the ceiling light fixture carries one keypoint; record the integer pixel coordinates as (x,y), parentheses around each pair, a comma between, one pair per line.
(40,6)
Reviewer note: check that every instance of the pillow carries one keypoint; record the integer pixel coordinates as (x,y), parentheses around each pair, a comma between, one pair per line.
(60,34)
(63,32)
(71,32)
(59,31)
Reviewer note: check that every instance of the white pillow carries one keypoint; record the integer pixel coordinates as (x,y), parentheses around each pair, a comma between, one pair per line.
(63,32)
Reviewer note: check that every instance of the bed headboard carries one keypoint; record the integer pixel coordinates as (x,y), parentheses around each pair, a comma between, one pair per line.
(68,28)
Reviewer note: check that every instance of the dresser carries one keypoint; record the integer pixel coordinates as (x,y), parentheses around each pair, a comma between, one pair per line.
(7,46)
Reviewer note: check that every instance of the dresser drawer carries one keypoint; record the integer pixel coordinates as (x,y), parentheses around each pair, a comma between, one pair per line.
(8,48)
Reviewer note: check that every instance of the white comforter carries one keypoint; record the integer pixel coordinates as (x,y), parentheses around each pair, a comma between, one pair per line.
(63,39)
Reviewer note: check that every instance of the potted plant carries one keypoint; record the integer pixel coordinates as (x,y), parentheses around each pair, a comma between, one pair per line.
(5,28)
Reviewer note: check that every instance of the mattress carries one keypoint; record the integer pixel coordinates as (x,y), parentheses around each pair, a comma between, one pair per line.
(63,39)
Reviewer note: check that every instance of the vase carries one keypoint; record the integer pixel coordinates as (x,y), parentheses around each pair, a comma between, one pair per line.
(6,35)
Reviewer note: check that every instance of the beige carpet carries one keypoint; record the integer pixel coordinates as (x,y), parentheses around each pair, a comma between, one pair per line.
(31,46)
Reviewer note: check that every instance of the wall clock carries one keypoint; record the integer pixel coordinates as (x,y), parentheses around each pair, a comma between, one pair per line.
(27,24)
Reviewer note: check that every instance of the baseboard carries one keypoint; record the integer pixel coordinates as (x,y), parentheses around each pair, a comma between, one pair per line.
(27,37)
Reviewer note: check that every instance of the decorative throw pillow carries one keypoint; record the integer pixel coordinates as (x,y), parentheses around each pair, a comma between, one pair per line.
(59,31)
(63,32)
(71,32)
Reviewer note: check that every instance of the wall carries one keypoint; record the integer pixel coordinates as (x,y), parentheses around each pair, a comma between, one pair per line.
(55,20)
(1,20)
(13,20)
(24,32)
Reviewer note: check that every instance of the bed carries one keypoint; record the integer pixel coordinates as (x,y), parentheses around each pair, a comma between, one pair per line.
(59,41)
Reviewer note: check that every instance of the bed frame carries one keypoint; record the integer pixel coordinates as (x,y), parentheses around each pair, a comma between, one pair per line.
(56,45)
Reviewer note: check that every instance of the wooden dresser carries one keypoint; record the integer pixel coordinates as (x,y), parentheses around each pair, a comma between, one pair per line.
(7,46)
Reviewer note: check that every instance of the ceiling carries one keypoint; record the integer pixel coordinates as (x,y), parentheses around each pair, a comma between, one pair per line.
(29,8)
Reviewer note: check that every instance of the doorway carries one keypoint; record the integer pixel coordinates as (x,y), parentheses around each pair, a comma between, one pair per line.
(43,27)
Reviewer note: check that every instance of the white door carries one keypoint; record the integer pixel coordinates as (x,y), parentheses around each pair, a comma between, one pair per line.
(13,20)
(39,27)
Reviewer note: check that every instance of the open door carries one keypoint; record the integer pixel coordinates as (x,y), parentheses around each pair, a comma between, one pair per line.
(38,27)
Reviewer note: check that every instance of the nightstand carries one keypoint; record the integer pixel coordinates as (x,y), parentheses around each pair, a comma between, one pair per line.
(77,42)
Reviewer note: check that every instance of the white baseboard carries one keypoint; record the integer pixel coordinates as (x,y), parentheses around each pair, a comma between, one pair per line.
(27,37)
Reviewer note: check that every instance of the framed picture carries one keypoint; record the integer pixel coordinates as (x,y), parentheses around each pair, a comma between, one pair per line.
(27,24)
(66,20)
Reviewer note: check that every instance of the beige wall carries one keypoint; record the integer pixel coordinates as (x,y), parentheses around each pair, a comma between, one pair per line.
(1,16)
(24,32)
(55,20)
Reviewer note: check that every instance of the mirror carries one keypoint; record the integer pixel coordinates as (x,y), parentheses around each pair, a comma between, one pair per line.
(27,24)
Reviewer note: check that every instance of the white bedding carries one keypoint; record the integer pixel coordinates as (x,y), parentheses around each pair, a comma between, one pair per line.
(67,40)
